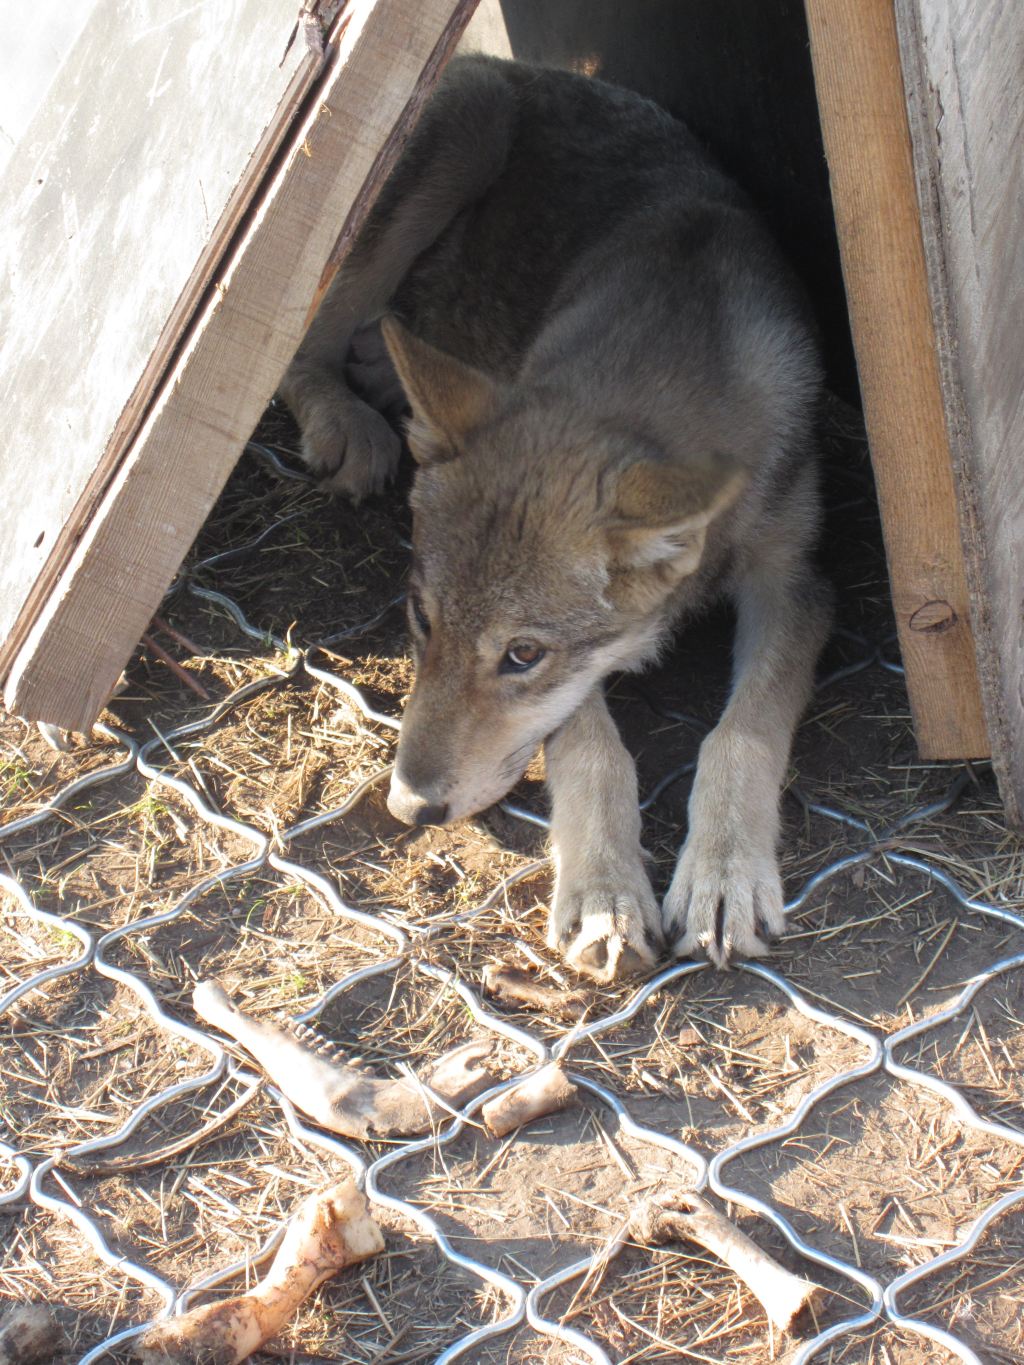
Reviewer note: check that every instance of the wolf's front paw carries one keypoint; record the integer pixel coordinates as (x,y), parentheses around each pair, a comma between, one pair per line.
(352,445)
(606,929)
(724,902)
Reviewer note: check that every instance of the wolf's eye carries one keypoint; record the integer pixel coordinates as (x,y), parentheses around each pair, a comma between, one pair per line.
(520,658)
(421,617)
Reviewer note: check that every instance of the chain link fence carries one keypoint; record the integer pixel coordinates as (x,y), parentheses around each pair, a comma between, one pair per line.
(61,1182)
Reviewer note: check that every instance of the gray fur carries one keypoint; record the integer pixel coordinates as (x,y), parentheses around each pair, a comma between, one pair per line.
(614,386)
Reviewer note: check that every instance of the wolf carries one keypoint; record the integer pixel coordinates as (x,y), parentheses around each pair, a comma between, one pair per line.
(613,382)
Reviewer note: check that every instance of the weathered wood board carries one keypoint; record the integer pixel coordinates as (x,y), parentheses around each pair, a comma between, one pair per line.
(379,70)
(867,142)
(118,201)
(963,67)
(32,54)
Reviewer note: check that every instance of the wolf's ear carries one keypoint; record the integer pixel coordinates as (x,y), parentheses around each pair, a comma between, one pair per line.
(448,398)
(662,511)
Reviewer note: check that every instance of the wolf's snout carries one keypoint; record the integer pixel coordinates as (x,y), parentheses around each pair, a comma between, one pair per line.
(431,815)
(412,808)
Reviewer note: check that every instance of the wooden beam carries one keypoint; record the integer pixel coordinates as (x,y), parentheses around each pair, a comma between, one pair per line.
(867,142)
(962,66)
(380,70)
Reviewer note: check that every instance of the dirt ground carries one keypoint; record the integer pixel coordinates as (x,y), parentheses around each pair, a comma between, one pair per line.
(881,1173)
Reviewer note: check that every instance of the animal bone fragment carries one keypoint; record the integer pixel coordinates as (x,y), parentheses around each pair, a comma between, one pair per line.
(331,1230)
(522,988)
(343,1098)
(545,1092)
(28,1333)
(787,1298)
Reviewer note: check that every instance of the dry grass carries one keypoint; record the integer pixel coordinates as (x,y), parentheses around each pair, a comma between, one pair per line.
(880,1173)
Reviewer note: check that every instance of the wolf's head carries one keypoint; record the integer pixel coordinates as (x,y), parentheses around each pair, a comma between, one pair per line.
(546,546)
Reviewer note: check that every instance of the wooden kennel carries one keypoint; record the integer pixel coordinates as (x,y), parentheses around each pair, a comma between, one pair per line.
(168,237)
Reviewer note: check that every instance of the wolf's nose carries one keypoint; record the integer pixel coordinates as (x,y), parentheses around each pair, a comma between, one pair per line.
(411,808)
(430,815)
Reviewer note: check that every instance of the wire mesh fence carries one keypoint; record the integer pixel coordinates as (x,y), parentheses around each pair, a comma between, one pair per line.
(620,1053)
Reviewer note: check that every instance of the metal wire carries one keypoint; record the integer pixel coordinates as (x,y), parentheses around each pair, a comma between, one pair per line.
(33,1176)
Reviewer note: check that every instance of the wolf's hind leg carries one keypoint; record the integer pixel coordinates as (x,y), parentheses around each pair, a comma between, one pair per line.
(604,918)
(726,892)
(456,151)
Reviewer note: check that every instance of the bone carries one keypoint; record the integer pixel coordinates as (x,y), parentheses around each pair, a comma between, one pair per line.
(522,988)
(545,1092)
(331,1230)
(787,1298)
(29,1333)
(343,1098)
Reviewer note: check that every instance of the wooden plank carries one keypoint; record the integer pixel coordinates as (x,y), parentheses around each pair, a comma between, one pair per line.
(864,121)
(382,66)
(31,55)
(963,66)
(116,211)
(487,31)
